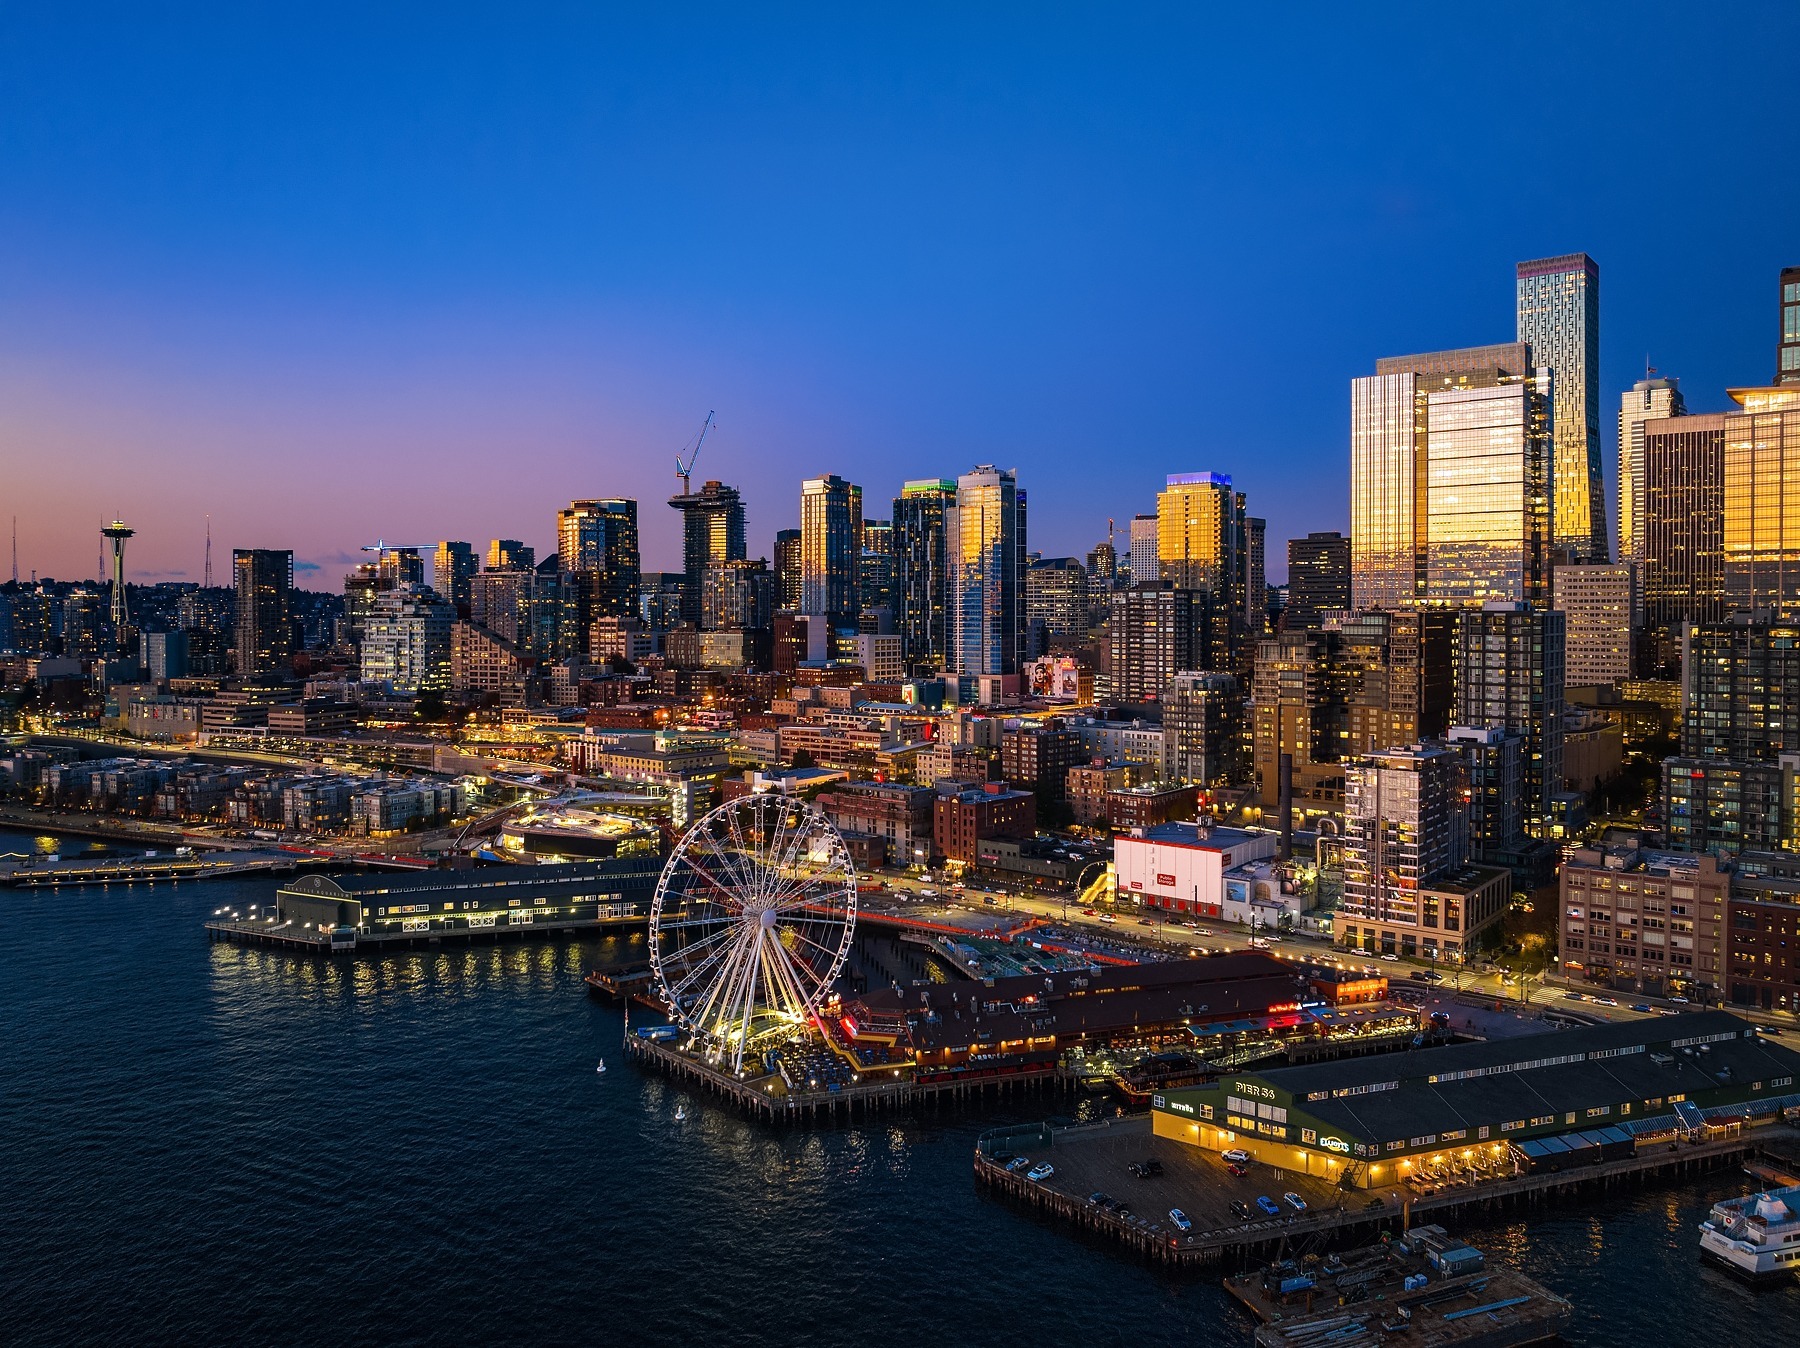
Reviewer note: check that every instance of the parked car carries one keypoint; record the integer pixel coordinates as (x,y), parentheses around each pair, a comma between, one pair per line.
(1237,1168)
(1573,997)
(1002,1157)
(1018,1163)
(1237,1154)
(1042,1171)
(1294,1201)
(1108,917)
(1391,959)
(1180,1220)
(1642,1006)
(1268,1205)
(1145,922)
(1089,912)
(1097,1198)
(1241,1208)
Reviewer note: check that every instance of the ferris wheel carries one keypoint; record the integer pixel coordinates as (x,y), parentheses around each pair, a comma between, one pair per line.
(751,922)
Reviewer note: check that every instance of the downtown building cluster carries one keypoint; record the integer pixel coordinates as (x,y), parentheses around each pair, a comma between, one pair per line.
(1421,723)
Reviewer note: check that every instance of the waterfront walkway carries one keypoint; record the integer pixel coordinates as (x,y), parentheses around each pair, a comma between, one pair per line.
(1095,1158)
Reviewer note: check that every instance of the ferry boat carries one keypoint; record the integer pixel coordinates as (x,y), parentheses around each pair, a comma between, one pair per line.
(1757,1238)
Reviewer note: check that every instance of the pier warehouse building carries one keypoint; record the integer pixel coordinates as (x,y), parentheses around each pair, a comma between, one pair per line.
(440,902)
(1376,1118)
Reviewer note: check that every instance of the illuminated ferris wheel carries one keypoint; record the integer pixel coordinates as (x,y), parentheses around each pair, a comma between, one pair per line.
(751,922)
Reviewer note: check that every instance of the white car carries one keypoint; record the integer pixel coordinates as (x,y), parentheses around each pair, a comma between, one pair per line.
(1391,959)
(1042,1171)
(1237,1154)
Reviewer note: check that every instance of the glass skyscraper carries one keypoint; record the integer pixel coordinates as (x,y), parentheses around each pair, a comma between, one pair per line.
(830,546)
(712,534)
(1559,318)
(1649,400)
(986,535)
(598,541)
(921,569)
(1449,491)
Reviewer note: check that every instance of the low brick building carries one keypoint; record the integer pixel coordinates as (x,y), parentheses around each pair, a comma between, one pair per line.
(963,818)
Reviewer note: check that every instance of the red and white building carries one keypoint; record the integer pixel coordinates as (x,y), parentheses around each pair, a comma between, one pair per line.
(1181,867)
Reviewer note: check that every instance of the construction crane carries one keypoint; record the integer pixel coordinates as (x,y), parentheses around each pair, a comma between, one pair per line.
(381,547)
(692,450)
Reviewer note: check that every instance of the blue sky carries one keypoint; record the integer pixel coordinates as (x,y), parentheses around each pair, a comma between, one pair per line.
(327,274)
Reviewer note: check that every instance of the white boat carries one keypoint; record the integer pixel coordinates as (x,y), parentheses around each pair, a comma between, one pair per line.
(680,1113)
(1757,1237)
(602,1066)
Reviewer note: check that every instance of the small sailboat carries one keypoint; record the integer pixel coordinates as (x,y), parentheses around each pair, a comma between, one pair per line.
(680,1113)
(602,1066)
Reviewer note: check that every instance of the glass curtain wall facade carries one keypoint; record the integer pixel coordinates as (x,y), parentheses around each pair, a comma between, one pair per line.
(922,570)
(1684,524)
(265,589)
(1559,318)
(1486,498)
(986,594)
(1387,491)
(1649,400)
(598,541)
(830,546)
(712,534)
(1762,502)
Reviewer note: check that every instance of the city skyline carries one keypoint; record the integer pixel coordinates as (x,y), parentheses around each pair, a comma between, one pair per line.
(233,321)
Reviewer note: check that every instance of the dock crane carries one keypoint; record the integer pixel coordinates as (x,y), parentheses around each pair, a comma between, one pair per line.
(692,450)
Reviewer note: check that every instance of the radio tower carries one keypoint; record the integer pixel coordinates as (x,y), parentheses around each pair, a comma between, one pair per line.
(207,582)
(118,533)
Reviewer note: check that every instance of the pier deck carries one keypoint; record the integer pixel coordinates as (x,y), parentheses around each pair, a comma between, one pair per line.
(147,870)
(313,942)
(1094,1158)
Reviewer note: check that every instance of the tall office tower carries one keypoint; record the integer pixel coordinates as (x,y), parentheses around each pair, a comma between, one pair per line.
(1762,501)
(1203,713)
(986,594)
(399,566)
(1202,545)
(1509,675)
(659,598)
(598,541)
(787,569)
(116,533)
(737,596)
(1318,578)
(1684,532)
(406,640)
(1141,559)
(830,550)
(1559,318)
(877,570)
(1449,478)
(265,606)
(1056,594)
(1596,601)
(1407,886)
(1256,575)
(451,567)
(1787,359)
(1648,400)
(712,533)
(164,655)
(508,554)
(1155,635)
(922,570)
(1740,690)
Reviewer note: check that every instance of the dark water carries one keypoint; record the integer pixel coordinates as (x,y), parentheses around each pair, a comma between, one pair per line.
(205,1144)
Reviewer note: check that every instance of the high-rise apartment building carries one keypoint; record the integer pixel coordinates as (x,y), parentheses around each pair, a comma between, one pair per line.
(712,533)
(406,640)
(1318,578)
(1559,318)
(1509,675)
(1494,778)
(1256,575)
(1203,545)
(508,554)
(878,570)
(1449,478)
(787,569)
(986,550)
(597,540)
(1056,594)
(1408,887)
(1142,556)
(452,565)
(1650,399)
(265,613)
(1596,601)
(1103,567)
(922,570)
(1203,714)
(1154,635)
(1740,689)
(830,547)
(737,596)
(541,613)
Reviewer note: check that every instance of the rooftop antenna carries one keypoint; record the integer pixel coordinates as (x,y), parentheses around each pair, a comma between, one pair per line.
(206,583)
(686,474)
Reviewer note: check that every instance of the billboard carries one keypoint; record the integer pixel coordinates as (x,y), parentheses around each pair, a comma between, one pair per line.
(1054,679)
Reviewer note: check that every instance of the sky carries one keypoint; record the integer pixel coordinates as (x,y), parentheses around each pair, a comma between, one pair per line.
(331,273)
